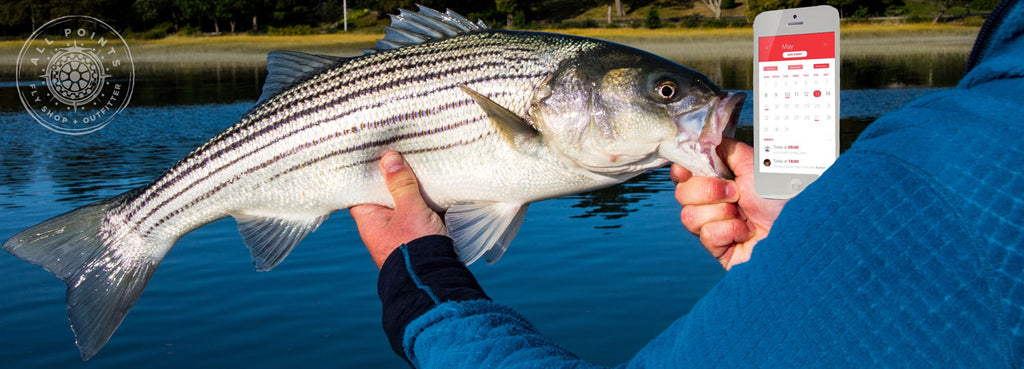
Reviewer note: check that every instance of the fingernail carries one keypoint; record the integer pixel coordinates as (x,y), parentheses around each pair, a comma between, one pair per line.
(392,163)
(730,190)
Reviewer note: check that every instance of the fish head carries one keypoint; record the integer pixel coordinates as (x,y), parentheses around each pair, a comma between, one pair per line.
(621,111)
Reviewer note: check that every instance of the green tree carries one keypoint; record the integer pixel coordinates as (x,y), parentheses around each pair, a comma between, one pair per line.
(331,12)
(945,5)
(193,10)
(755,7)
(507,7)
(653,19)
(23,14)
(840,5)
(149,12)
(231,10)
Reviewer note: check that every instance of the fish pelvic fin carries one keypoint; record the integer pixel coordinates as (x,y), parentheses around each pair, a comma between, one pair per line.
(104,267)
(483,229)
(271,239)
(513,127)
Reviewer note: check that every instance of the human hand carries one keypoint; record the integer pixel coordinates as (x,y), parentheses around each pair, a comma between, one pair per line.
(382,229)
(727,215)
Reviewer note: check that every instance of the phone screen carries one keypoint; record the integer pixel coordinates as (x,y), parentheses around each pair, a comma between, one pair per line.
(796,104)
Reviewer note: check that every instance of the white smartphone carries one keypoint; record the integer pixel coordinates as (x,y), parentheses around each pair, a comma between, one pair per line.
(796,98)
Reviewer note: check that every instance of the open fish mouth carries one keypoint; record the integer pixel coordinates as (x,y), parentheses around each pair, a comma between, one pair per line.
(725,112)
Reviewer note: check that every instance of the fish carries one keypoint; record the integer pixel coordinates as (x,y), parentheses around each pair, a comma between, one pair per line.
(490,120)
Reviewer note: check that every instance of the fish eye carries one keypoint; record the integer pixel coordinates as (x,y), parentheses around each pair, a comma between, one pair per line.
(666,90)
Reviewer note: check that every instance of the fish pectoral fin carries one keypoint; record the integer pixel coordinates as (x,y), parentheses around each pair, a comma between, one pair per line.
(287,68)
(511,125)
(271,239)
(483,229)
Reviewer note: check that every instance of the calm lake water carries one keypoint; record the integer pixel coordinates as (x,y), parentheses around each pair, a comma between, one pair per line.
(601,273)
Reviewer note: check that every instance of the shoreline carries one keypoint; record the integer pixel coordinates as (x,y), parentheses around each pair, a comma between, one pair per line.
(673,43)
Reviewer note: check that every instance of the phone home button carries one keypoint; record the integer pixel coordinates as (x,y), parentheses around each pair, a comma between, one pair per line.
(796,185)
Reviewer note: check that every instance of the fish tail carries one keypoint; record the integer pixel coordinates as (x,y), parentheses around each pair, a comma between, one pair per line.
(104,274)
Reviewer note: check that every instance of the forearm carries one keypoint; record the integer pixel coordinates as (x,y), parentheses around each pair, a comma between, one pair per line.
(436,315)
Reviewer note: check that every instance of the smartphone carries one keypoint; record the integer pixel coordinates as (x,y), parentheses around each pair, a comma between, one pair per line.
(796,98)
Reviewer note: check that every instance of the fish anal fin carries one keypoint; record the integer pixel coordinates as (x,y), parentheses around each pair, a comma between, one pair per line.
(514,127)
(483,229)
(287,68)
(271,238)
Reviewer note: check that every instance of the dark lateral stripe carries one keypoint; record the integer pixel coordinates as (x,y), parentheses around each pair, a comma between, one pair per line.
(329,155)
(293,98)
(406,115)
(394,119)
(322,140)
(266,163)
(362,69)
(365,63)
(197,162)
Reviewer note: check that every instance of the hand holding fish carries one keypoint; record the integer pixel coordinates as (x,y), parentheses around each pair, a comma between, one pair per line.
(383,229)
(727,215)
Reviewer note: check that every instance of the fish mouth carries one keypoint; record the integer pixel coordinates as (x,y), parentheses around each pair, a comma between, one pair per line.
(725,112)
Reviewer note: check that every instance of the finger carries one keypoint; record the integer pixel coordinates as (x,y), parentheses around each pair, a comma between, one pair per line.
(401,181)
(679,174)
(737,156)
(706,190)
(370,220)
(715,236)
(694,217)
(369,214)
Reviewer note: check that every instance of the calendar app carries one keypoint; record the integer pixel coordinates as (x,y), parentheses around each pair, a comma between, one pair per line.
(796,103)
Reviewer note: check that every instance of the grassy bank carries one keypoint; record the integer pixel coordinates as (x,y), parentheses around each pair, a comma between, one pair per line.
(674,43)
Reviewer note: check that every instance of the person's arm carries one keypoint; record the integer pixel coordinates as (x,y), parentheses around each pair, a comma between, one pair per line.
(433,307)
(727,215)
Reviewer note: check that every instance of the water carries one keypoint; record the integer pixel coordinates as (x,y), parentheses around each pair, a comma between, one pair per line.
(601,273)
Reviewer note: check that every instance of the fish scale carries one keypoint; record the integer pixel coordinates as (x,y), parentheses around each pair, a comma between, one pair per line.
(490,120)
(484,68)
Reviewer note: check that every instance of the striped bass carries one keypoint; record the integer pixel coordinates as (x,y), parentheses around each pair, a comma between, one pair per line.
(490,120)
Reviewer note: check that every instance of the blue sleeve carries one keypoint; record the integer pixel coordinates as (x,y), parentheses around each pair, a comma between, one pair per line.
(482,334)
(417,277)
(436,315)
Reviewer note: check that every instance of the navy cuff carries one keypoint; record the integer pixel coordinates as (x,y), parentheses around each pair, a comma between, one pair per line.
(418,276)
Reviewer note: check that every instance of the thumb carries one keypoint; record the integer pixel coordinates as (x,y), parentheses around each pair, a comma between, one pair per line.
(401,181)
(738,156)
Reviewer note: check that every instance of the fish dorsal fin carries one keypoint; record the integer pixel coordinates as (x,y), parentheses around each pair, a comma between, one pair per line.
(511,125)
(411,28)
(287,68)
(483,229)
(271,239)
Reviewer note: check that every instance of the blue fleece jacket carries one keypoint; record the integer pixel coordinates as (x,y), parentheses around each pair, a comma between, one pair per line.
(907,252)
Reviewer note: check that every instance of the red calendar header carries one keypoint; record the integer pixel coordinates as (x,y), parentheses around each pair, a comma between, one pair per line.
(797,47)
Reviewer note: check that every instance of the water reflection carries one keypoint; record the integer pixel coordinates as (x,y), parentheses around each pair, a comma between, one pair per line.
(132,151)
(617,202)
(901,71)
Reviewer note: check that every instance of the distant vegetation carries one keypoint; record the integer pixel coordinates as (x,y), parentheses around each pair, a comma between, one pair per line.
(154,19)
